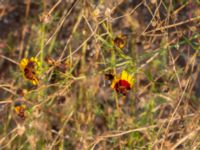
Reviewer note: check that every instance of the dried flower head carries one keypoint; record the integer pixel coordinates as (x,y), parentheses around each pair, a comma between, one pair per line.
(49,60)
(21,92)
(120,41)
(60,100)
(59,65)
(29,68)
(109,76)
(123,83)
(62,66)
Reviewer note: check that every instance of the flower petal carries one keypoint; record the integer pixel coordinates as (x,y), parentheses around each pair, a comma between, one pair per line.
(114,81)
(124,75)
(23,63)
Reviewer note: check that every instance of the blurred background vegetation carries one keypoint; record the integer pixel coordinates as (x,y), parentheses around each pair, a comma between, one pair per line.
(73,106)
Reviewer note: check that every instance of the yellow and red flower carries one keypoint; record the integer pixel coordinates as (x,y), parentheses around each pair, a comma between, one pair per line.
(29,68)
(20,109)
(123,83)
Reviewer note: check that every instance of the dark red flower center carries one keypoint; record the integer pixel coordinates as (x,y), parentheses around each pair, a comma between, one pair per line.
(31,64)
(29,73)
(122,86)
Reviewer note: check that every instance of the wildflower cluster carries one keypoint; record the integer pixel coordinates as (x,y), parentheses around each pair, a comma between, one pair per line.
(30,67)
